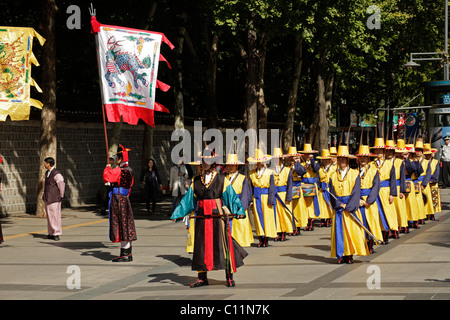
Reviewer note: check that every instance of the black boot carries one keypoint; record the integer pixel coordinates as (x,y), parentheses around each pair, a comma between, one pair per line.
(230,281)
(125,256)
(202,280)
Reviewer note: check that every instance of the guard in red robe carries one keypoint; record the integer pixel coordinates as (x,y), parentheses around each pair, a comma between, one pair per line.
(121,219)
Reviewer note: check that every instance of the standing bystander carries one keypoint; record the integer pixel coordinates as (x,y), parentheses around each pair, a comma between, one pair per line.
(54,188)
(445,161)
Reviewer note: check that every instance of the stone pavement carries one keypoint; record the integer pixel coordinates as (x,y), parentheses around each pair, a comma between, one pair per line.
(414,267)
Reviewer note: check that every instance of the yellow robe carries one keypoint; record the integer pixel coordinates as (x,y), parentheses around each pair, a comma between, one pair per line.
(298,205)
(420,207)
(384,170)
(309,201)
(241,229)
(326,211)
(428,207)
(400,204)
(354,236)
(412,208)
(284,217)
(265,224)
(372,212)
(435,194)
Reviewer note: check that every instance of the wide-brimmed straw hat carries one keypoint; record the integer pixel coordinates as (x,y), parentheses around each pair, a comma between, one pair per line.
(324,155)
(343,152)
(390,145)
(278,153)
(259,157)
(364,151)
(232,159)
(333,151)
(401,146)
(428,149)
(292,152)
(308,149)
(379,144)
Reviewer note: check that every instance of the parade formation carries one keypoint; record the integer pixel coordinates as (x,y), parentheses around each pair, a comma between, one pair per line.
(392,188)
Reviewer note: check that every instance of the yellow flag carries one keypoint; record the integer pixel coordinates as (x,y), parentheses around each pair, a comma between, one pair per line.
(16,57)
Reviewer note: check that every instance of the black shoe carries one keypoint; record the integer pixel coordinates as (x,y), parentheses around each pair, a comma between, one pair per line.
(56,238)
(125,256)
(50,237)
(199,283)
(230,283)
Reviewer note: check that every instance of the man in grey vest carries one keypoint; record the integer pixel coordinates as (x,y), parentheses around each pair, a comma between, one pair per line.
(444,155)
(54,188)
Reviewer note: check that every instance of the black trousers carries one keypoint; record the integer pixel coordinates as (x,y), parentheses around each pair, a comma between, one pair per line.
(445,173)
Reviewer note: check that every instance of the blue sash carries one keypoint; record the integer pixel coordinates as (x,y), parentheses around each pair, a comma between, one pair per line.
(116,190)
(315,199)
(364,193)
(383,184)
(257,192)
(421,178)
(326,193)
(283,189)
(339,230)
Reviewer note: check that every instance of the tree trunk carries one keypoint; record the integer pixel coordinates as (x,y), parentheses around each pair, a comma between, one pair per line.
(211,79)
(263,109)
(292,100)
(251,86)
(178,87)
(48,143)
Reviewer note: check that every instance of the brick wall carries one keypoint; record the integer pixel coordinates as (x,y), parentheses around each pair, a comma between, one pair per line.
(81,157)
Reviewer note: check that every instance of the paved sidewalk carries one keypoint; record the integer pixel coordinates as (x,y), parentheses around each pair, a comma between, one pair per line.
(416,266)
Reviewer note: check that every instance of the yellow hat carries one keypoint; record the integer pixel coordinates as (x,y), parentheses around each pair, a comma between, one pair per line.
(278,153)
(259,157)
(308,149)
(428,148)
(379,144)
(333,151)
(343,152)
(325,154)
(390,144)
(364,151)
(419,145)
(292,152)
(232,158)
(401,147)
(410,147)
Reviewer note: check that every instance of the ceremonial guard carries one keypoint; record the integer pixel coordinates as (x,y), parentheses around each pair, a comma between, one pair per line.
(326,208)
(190,225)
(216,203)
(121,219)
(370,187)
(298,202)
(283,196)
(388,189)
(414,201)
(241,229)
(402,190)
(424,180)
(347,235)
(263,186)
(309,185)
(434,180)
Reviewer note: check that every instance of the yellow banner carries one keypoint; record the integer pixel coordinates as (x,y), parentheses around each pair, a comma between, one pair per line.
(16,57)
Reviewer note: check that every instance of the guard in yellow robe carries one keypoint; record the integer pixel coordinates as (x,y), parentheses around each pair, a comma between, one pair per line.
(370,187)
(241,229)
(298,202)
(424,180)
(388,190)
(283,195)
(187,220)
(263,186)
(400,172)
(412,170)
(326,208)
(435,170)
(309,179)
(347,236)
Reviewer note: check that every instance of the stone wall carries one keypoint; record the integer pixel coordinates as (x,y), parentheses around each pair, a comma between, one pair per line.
(81,157)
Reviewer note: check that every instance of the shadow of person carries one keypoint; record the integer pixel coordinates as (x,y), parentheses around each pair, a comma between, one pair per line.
(177,259)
